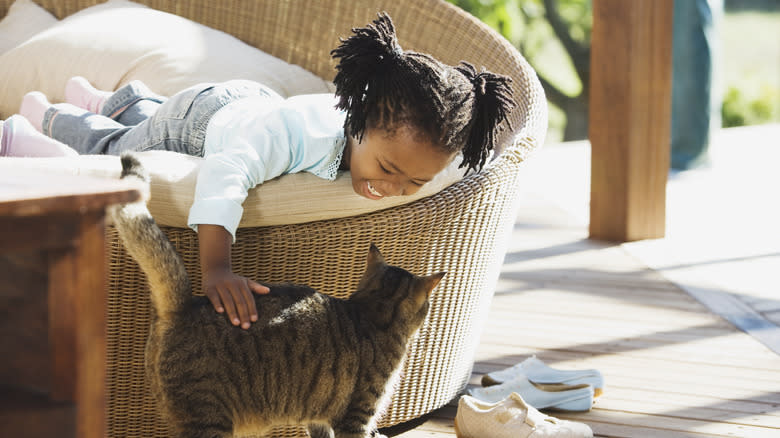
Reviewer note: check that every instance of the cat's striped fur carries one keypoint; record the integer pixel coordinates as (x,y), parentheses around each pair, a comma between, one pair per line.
(310,358)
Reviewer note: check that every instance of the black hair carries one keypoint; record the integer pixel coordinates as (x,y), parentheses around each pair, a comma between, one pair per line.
(380,85)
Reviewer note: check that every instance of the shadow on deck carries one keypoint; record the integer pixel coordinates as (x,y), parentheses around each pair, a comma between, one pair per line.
(674,365)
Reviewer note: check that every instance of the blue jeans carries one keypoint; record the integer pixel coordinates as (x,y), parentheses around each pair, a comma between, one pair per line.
(136,119)
(695,97)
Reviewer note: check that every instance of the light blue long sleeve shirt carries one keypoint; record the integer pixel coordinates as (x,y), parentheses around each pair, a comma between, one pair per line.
(255,139)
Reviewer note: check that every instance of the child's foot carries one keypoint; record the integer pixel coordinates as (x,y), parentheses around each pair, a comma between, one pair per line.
(18,138)
(79,92)
(33,108)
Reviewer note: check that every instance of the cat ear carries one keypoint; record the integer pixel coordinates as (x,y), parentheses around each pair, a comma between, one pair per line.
(431,281)
(424,286)
(374,256)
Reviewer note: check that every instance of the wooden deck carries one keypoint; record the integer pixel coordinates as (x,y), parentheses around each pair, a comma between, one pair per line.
(672,368)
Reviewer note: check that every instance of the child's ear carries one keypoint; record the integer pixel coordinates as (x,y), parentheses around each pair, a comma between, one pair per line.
(374,256)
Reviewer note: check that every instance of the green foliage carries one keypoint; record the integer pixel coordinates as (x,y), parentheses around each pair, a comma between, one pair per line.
(555,42)
(524,22)
(740,109)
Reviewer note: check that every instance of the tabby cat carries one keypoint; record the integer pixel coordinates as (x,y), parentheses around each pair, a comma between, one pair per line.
(310,359)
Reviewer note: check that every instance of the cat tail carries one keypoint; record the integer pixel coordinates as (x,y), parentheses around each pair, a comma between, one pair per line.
(149,246)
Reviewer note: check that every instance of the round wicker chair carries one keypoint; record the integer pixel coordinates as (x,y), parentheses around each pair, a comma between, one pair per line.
(462,229)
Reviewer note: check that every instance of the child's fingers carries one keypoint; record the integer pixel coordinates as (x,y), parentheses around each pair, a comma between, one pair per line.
(244,301)
(249,299)
(236,299)
(216,301)
(258,288)
(230,305)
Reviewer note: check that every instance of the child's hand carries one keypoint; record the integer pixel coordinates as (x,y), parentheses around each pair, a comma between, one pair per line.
(233,293)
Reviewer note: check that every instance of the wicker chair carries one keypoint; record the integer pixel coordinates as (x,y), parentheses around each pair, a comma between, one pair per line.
(461,230)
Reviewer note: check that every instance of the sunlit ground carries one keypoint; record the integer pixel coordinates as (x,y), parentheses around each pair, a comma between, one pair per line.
(722,240)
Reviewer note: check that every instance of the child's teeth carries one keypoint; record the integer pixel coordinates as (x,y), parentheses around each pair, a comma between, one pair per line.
(372,190)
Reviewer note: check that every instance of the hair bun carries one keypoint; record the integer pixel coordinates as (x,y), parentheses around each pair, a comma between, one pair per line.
(492,103)
(367,69)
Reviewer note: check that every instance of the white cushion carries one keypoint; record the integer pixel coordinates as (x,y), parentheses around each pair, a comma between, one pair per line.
(115,42)
(290,199)
(118,41)
(23,20)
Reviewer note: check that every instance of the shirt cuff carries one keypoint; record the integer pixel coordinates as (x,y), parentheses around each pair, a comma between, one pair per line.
(222,212)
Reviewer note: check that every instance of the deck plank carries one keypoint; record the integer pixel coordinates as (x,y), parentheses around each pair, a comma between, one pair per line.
(672,368)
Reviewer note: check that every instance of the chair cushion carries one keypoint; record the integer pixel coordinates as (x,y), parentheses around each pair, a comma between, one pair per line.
(115,42)
(290,199)
(23,20)
(118,41)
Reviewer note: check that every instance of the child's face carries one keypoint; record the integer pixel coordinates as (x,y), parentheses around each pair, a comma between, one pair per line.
(392,165)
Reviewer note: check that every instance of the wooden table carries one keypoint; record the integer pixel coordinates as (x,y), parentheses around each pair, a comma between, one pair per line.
(52,285)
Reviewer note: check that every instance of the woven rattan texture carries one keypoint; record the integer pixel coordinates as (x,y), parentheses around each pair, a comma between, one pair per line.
(461,230)
(330,256)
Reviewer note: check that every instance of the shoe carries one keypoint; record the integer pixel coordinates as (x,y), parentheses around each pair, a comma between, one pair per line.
(573,398)
(512,417)
(538,372)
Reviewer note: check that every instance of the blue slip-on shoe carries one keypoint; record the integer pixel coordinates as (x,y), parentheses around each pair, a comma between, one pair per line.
(538,372)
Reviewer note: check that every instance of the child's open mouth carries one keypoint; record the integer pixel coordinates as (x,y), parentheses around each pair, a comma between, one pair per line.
(372,190)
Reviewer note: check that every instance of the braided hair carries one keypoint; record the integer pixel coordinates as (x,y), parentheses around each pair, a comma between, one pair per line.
(379,85)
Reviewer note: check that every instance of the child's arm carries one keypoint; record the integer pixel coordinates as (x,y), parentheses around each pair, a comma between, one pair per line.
(227,291)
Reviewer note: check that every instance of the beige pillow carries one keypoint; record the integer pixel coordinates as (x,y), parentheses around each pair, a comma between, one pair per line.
(290,199)
(23,20)
(115,42)
(104,43)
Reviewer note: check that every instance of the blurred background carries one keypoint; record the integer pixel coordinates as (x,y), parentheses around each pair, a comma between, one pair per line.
(721,242)
(554,36)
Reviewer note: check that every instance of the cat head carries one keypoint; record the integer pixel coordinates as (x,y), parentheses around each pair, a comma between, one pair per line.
(389,294)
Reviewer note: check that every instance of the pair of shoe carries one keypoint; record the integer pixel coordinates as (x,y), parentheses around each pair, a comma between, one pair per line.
(542,386)
(511,417)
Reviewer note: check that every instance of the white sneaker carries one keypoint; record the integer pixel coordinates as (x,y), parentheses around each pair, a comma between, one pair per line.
(538,372)
(573,398)
(512,418)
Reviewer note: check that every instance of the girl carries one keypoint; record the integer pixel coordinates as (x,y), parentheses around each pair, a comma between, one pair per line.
(398,118)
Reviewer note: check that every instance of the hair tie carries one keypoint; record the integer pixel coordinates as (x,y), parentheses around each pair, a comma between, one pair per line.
(479,82)
(396,51)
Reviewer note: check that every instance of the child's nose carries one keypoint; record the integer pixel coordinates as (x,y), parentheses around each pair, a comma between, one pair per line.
(406,187)
(393,188)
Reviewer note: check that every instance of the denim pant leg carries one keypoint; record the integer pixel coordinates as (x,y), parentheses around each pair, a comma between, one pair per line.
(90,133)
(131,104)
(180,123)
(153,125)
(86,132)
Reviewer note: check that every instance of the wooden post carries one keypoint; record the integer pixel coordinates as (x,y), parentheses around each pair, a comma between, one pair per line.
(630,111)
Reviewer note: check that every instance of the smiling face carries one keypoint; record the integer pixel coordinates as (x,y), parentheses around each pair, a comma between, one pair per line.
(392,164)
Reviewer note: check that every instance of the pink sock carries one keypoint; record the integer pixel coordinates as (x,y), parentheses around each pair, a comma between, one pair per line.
(20,139)
(34,106)
(79,92)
